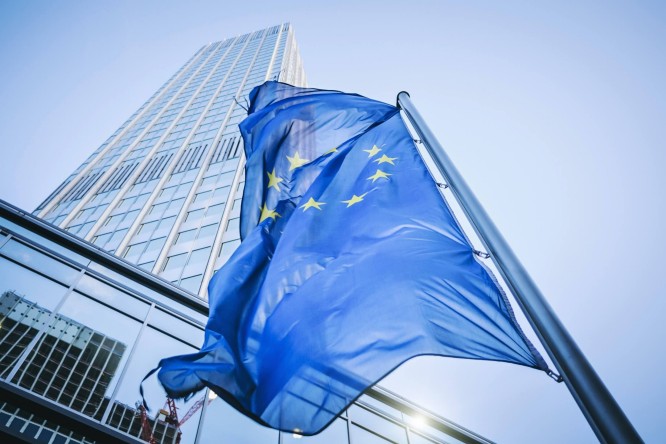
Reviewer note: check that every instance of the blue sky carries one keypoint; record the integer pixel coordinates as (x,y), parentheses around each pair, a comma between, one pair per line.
(553,112)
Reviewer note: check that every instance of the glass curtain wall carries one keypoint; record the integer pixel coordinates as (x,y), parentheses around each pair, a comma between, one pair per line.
(82,335)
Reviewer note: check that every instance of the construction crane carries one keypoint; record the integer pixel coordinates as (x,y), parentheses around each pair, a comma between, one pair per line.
(170,414)
(146,431)
(196,406)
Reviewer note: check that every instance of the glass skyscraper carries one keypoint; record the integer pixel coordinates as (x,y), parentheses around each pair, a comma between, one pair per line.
(107,276)
(163,191)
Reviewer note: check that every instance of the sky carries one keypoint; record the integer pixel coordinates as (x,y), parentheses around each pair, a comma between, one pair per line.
(552,111)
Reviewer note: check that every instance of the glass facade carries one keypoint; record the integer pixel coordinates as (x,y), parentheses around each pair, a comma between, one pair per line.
(163,191)
(79,330)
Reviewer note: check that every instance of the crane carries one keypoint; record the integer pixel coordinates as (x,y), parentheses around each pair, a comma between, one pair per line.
(170,413)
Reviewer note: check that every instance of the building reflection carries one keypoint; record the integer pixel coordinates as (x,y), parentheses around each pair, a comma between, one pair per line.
(71,364)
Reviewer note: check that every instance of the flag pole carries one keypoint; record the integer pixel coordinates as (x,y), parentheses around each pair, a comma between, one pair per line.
(602,412)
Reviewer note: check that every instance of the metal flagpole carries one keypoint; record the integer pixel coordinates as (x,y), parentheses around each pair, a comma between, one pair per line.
(602,412)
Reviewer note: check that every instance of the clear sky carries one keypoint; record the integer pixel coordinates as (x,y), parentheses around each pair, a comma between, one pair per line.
(553,112)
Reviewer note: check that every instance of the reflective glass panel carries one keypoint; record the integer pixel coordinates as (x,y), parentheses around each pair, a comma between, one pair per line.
(362,436)
(29,285)
(39,261)
(78,361)
(335,433)
(152,346)
(223,423)
(113,296)
(176,262)
(372,421)
(191,284)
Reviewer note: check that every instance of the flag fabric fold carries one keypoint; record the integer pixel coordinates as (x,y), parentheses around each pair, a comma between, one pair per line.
(351,263)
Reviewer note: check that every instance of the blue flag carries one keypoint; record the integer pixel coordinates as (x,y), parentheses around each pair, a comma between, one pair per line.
(351,263)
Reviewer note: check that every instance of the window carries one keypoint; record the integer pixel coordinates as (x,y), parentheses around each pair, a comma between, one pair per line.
(176,204)
(194,215)
(233,225)
(147,228)
(175,262)
(200,197)
(186,236)
(132,253)
(199,256)
(158,208)
(38,261)
(207,231)
(191,284)
(215,210)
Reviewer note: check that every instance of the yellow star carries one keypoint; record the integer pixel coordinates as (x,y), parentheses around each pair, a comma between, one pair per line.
(266,213)
(296,161)
(332,150)
(372,151)
(354,200)
(386,159)
(273,180)
(312,204)
(379,175)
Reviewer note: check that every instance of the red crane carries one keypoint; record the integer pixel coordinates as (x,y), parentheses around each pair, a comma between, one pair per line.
(170,417)
(195,407)
(146,431)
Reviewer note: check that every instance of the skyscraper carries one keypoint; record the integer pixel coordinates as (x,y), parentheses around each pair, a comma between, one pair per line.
(80,328)
(163,191)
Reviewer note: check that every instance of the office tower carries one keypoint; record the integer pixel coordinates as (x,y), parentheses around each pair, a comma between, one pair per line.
(80,328)
(163,191)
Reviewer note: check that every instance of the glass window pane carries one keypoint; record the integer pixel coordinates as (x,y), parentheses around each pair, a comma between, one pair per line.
(191,284)
(194,215)
(158,208)
(362,436)
(164,226)
(200,197)
(166,193)
(207,231)
(65,252)
(175,262)
(78,361)
(226,179)
(148,266)
(39,261)
(215,210)
(175,204)
(221,193)
(132,253)
(183,190)
(28,284)
(20,321)
(379,406)
(376,423)
(184,330)
(223,423)
(199,256)
(335,433)
(112,296)
(186,236)
(227,250)
(101,239)
(233,224)
(115,239)
(155,244)
(147,228)
(415,438)
(152,346)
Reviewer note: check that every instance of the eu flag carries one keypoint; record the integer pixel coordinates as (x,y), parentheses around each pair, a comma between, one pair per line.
(351,263)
